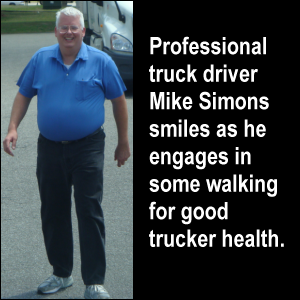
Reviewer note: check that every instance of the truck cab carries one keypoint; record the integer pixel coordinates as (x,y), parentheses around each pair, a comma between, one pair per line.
(109,28)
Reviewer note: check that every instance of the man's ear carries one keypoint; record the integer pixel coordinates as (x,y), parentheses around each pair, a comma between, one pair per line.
(83,32)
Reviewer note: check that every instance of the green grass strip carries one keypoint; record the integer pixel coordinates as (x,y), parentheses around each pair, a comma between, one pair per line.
(28,27)
(27,19)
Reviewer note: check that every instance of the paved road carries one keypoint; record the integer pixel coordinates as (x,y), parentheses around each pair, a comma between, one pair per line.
(24,264)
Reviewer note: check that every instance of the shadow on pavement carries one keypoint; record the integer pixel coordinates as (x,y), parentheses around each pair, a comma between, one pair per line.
(28,295)
(35,295)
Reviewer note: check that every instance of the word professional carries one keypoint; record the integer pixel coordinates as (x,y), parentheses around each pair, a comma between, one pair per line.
(205,48)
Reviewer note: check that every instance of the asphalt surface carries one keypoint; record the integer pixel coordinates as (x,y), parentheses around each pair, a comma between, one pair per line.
(24,263)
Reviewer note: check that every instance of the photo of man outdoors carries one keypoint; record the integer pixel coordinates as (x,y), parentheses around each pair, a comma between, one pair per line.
(71,81)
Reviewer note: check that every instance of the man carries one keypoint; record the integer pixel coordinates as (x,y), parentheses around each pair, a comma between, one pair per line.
(71,81)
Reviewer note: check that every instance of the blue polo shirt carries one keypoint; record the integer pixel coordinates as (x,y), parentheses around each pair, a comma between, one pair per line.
(70,101)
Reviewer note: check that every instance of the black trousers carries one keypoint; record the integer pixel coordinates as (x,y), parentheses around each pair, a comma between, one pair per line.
(59,166)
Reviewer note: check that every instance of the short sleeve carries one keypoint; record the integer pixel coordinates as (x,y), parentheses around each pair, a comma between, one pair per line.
(112,82)
(26,79)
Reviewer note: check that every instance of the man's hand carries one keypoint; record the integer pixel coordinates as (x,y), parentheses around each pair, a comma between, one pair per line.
(122,153)
(11,137)
(19,110)
(121,116)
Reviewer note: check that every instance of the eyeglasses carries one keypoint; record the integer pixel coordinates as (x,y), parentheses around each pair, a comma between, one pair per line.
(65,29)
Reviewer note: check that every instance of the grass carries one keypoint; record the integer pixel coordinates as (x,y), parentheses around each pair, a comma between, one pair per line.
(27,19)
(29,27)
(24,8)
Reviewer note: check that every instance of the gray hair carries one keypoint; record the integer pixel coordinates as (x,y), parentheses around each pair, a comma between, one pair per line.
(70,11)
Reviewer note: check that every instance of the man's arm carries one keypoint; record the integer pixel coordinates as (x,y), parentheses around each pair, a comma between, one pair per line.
(122,152)
(19,110)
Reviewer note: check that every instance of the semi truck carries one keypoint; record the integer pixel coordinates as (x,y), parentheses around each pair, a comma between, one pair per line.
(109,28)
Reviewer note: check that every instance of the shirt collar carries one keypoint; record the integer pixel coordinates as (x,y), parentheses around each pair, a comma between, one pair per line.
(82,54)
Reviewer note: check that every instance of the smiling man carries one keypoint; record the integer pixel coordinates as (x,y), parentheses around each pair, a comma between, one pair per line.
(71,81)
(69,37)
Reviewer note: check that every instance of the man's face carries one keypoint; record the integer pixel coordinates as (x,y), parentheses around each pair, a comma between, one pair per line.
(69,39)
